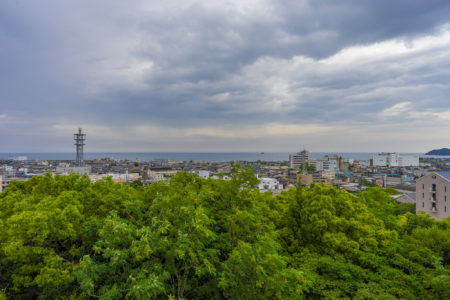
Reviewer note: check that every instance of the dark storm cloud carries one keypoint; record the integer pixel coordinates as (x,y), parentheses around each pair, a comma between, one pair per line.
(183,64)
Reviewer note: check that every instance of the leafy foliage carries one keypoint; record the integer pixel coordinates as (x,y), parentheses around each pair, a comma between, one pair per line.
(66,237)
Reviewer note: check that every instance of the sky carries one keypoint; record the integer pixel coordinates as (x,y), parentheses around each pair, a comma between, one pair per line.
(225,76)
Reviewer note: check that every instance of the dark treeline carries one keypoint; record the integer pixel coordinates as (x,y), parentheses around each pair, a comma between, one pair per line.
(65,237)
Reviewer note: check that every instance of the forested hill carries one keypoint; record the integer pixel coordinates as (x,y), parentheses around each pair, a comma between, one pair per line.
(443,151)
(68,238)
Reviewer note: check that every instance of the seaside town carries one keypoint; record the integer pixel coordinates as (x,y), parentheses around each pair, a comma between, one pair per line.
(225,150)
(413,177)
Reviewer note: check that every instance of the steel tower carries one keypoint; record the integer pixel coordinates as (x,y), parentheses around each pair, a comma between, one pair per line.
(79,145)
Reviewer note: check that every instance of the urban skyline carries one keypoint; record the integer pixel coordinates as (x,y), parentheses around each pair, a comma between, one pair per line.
(225,76)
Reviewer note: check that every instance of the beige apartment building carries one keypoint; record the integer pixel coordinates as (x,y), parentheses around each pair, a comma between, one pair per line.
(432,191)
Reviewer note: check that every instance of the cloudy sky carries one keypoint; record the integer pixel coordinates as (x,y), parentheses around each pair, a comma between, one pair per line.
(235,75)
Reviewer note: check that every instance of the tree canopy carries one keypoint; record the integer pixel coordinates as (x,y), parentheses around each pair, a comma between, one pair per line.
(193,238)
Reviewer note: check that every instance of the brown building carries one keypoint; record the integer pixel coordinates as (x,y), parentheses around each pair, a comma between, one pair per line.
(432,191)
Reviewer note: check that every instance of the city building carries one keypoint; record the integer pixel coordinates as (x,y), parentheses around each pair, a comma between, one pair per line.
(204,174)
(432,191)
(18,158)
(328,163)
(298,159)
(395,160)
(327,174)
(4,182)
(156,172)
(64,169)
(305,179)
(270,184)
(319,164)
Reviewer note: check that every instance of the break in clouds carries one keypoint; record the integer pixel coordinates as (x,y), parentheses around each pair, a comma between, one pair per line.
(225,75)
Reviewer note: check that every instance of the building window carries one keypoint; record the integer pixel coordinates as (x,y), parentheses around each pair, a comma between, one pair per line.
(445,198)
(423,186)
(423,195)
(445,208)
(423,204)
(433,187)
(445,189)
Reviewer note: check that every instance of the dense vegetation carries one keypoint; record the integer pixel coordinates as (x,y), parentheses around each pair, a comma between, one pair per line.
(65,237)
(443,151)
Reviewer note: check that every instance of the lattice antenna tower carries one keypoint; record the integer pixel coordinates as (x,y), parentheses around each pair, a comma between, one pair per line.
(79,138)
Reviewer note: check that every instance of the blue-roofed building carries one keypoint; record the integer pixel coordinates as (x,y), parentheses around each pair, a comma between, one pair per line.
(445,174)
(433,194)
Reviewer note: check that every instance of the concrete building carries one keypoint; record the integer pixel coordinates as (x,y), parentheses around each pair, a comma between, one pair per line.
(204,174)
(164,171)
(327,174)
(4,182)
(334,162)
(432,191)
(319,164)
(269,184)
(18,158)
(156,177)
(298,159)
(328,163)
(305,179)
(394,160)
(116,177)
(66,169)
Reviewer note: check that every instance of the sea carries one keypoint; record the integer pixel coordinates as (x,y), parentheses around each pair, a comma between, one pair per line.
(194,156)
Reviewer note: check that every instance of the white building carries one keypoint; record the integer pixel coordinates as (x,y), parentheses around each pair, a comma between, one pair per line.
(204,174)
(298,159)
(269,184)
(66,169)
(334,163)
(432,191)
(395,160)
(409,160)
(319,164)
(328,163)
(157,177)
(18,158)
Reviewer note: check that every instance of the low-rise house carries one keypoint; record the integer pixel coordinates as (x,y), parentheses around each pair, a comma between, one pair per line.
(270,184)
(405,198)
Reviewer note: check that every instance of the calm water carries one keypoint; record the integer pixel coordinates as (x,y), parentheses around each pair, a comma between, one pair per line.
(187,156)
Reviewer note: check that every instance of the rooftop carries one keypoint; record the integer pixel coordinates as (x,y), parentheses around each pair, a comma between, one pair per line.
(445,174)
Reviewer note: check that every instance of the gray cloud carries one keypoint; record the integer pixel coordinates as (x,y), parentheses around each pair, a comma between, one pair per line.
(181,65)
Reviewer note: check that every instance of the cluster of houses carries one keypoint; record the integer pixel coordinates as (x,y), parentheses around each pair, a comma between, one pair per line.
(419,183)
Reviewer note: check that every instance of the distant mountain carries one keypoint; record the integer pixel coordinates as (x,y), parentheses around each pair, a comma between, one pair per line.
(443,151)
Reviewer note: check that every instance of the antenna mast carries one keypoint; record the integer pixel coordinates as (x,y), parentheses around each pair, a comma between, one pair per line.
(79,138)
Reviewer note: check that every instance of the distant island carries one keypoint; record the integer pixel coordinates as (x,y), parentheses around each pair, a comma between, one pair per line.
(443,152)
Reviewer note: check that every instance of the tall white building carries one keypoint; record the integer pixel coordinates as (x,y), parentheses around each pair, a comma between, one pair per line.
(320,164)
(328,163)
(298,159)
(395,160)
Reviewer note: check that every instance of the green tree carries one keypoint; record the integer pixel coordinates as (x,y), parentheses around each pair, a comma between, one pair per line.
(68,238)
